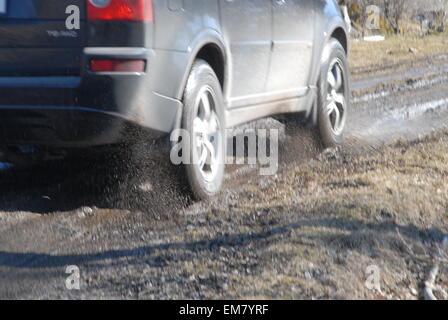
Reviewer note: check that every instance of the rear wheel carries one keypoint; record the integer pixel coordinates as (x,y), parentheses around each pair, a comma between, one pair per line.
(333,95)
(203,120)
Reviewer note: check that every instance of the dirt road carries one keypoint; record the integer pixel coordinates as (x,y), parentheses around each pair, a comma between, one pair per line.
(310,231)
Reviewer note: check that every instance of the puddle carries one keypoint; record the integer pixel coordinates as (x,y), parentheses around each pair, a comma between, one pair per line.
(414,86)
(413,111)
(396,76)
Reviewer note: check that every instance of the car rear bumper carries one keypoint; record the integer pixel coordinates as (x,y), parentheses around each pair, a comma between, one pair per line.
(92,109)
(62,126)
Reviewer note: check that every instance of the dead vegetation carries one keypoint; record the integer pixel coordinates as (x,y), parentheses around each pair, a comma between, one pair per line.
(343,214)
(395,53)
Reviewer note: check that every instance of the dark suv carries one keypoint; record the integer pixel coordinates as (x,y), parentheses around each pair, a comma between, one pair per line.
(76,73)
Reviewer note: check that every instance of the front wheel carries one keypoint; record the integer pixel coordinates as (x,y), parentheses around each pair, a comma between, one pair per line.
(333,95)
(203,120)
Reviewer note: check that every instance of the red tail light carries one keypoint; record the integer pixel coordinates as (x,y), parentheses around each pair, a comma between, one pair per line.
(117,65)
(122,10)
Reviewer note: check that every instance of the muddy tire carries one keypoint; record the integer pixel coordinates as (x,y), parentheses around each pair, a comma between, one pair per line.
(333,96)
(203,120)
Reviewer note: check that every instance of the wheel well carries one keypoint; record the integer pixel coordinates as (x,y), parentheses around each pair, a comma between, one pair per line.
(339,34)
(212,54)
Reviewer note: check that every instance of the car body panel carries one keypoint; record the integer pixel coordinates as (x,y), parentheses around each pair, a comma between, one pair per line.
(293,34)
(247,30)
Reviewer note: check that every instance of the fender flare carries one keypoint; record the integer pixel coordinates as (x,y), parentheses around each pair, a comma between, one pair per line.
(336,22)
(204,38)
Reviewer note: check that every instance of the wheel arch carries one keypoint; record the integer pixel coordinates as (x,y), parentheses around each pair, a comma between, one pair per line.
(340,35)
(209,46)
(330,27)
(211,53)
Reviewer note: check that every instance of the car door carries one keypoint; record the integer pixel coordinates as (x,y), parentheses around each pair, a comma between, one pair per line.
(247,26)
(292,50)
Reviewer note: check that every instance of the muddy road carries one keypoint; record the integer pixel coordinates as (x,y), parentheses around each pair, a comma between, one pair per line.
(310,231)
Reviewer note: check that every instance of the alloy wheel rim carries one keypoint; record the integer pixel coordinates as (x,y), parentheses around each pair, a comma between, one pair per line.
(207,137)
(336,101)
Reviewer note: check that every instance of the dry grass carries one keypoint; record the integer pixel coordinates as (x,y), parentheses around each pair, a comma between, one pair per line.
(341,216)
(406,180)
(394,51)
